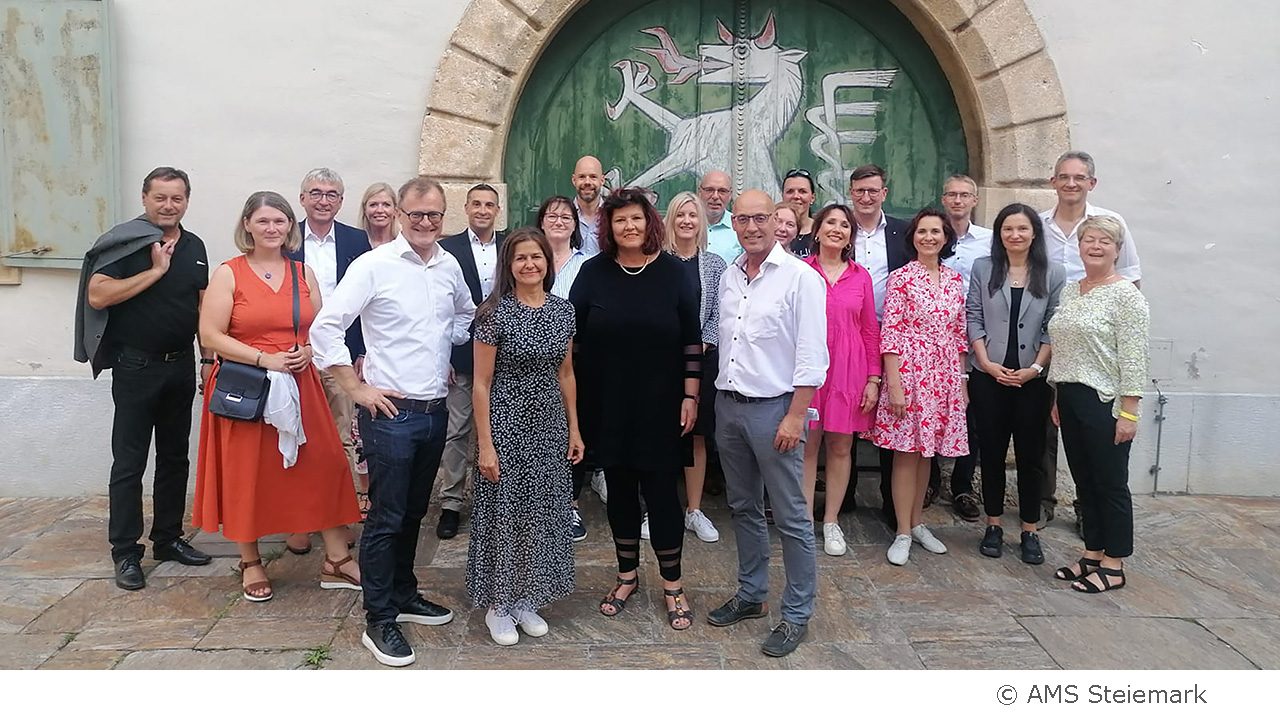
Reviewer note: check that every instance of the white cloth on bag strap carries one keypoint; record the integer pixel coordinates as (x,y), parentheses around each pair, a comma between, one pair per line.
(284,413)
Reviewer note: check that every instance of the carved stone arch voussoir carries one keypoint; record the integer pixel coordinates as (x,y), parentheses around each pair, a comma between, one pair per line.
(1005,83)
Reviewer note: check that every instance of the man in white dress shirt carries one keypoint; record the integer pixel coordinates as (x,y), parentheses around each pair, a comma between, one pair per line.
(1074,177)
(959,198)
(476,250)
(773,356)
(414,306)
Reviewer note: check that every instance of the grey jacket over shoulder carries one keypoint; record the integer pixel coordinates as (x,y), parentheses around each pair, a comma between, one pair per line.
(987,314)
(118,242)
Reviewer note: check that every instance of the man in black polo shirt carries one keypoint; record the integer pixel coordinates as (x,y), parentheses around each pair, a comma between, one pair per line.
(152,298)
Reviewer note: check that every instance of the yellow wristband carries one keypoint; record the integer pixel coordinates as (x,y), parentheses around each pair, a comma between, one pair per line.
(1128,416)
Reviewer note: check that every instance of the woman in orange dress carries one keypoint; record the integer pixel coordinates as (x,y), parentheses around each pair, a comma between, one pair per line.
(243,486)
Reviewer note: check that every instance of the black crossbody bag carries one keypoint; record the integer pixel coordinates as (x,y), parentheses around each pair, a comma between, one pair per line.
(240,392)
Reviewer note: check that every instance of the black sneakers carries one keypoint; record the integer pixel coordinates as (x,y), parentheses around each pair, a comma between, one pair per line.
(424,612)
(388,645)
(993,542)
(1032,554)
(577,528)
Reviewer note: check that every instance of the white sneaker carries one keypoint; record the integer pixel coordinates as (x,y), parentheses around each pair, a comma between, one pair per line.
(900,550)
(694,520)
(644,527)
(597,484)
(921,534)
(502,628)
(833,539)
(532,624)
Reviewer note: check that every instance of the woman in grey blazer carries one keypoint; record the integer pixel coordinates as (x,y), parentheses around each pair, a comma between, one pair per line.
(686,238)
(1012,295)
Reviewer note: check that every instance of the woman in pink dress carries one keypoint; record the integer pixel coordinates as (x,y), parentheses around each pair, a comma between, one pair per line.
(846,401)
(922,403)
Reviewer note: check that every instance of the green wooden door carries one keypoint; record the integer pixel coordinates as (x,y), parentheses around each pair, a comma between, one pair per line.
(664,90)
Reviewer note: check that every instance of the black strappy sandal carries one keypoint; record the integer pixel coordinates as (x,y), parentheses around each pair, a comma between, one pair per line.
(613,601)
(1104,574)
(682,611)
(1067,572)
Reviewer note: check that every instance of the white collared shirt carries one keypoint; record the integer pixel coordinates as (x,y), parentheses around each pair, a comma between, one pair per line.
(412,313)
(722,239)
(486,257)
(773,330)
(321,255)
(973,244)
(590,231)
(1064,248)
(872,252)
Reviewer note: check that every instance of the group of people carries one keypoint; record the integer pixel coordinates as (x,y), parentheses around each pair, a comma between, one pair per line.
(608,340)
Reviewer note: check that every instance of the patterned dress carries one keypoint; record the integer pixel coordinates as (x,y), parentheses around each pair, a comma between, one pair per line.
(521,554)
(924,324)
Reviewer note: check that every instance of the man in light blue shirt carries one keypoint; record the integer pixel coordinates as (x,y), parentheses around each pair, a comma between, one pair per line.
(715,189)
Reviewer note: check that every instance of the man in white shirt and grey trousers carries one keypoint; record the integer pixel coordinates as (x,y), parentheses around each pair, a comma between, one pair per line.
(414,306)
(773,356)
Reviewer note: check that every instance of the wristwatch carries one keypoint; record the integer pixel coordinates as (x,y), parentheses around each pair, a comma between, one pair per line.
(1038,368)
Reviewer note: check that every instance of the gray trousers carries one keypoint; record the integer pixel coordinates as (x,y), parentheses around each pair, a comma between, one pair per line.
(744,433)
(459,445)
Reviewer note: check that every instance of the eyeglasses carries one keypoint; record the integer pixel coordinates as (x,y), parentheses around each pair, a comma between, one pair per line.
(960,195)
(331,195)
(434,216)
(865,192)
(797,172)
(744,220)
(553,219)
(716,191)
(1077,179)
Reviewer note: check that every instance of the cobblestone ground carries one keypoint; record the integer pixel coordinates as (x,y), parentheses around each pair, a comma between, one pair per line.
(1203,593)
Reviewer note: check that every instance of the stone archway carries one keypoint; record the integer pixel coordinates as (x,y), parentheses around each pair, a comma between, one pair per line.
(1005,84)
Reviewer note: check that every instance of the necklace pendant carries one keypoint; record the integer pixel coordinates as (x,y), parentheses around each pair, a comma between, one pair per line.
(267,275)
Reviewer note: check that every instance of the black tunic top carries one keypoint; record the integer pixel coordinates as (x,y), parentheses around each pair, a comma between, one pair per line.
(1011,354)
(637,338)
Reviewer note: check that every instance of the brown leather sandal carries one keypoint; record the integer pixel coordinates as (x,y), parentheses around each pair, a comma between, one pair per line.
(298,550)
(259,591)
(333,578)
(682,611)
(611,605)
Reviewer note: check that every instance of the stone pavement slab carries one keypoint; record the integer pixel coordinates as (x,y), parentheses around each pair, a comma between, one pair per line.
(1204,592)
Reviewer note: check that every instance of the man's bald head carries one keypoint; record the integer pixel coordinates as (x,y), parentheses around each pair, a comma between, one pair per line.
(588,176)
(754,221)
(715,189)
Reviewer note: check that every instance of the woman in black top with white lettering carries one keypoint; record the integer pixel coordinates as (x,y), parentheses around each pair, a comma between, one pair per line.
(638,367)
(1012,295)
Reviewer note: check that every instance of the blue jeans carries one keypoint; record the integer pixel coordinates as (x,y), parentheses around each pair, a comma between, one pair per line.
(403,453)
(745,433)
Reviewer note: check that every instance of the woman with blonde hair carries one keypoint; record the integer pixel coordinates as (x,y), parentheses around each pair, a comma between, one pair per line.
(378,214)
(1100,339)
(249,481)
(686,238)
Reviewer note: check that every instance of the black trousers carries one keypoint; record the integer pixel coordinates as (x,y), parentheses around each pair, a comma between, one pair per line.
(1099,467)
(151,396)
(1021,413)
(666,517)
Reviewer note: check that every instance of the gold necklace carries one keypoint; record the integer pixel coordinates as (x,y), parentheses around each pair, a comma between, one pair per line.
(1091,284)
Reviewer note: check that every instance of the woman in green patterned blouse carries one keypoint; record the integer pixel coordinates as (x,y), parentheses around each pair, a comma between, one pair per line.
(1099,371)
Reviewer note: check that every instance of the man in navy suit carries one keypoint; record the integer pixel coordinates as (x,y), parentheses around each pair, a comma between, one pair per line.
(476,250)
(328,247)
(879,245)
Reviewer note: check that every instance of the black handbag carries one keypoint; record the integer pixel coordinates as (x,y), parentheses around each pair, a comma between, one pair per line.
(240,392)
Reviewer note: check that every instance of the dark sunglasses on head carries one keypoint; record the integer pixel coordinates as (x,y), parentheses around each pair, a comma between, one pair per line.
(797,172)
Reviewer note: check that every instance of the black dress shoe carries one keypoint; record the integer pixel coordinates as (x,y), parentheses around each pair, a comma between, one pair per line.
(786,636)
(424,612)
(1032,553)
(129,574)
(992,544)
(448,525)
(736,610)
(181,551)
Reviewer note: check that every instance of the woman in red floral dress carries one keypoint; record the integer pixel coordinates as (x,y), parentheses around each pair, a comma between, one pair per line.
(922,402)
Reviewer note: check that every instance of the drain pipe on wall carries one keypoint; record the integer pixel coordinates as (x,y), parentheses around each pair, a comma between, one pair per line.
(1161,401)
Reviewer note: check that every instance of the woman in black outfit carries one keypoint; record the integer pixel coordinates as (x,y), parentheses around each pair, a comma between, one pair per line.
(639,363)
(1012,296)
